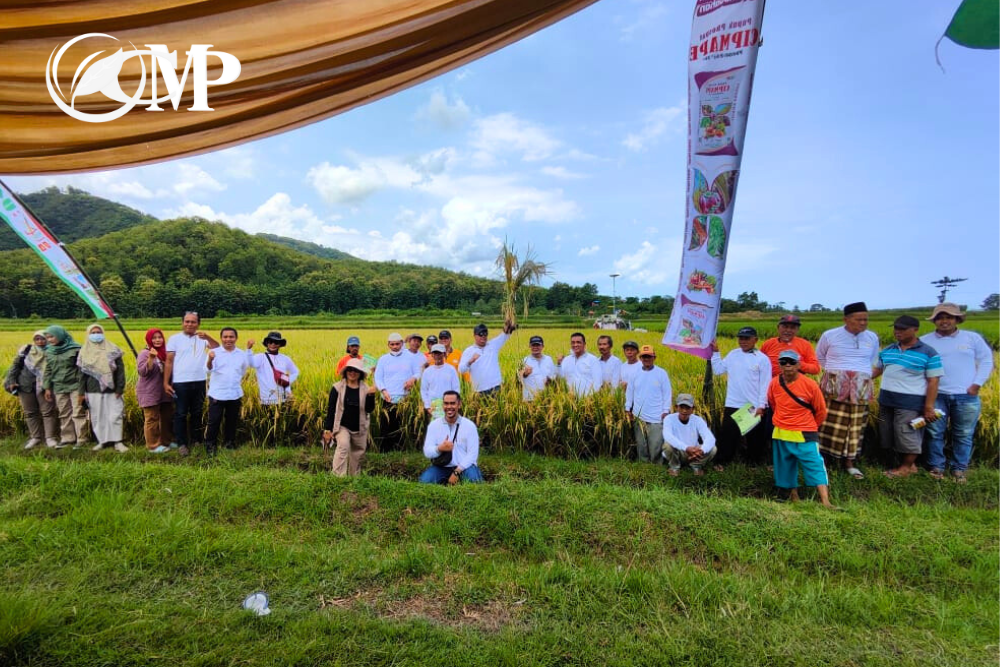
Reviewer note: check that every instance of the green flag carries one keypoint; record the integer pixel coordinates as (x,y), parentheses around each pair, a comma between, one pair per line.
(976,24)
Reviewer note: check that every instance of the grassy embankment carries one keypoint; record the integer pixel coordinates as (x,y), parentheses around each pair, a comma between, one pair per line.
(114,560)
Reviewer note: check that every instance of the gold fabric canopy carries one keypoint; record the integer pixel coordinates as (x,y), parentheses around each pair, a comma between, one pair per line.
(302,61)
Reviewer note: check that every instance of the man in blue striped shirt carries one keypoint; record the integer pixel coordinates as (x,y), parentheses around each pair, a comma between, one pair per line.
(911,371)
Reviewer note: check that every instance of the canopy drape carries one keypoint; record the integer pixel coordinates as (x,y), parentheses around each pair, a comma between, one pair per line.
(302,61)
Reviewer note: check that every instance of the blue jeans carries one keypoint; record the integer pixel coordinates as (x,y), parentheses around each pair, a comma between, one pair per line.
(439,475)
(962,411)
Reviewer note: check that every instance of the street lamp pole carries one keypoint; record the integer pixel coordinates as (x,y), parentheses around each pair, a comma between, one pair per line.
(614,295)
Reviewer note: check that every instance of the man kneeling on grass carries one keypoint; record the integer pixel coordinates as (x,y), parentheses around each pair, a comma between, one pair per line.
(690,439)
(452,445)
(799,408)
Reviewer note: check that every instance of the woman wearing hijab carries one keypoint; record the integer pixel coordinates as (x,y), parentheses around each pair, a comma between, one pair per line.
(347,417)
(102,381)
(61,382)
(157,406)
(24,378)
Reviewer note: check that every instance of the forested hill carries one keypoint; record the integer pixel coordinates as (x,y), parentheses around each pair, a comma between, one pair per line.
(74,214)
(307,247)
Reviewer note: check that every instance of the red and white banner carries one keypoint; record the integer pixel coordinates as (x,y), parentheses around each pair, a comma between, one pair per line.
(725,36)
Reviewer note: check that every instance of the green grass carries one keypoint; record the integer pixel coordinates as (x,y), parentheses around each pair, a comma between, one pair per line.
(130,560)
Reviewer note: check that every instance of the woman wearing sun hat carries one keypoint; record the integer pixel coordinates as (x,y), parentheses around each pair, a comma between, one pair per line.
(347,418)
(276,372)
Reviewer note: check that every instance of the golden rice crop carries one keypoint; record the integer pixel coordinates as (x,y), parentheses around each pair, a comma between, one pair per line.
(556,423)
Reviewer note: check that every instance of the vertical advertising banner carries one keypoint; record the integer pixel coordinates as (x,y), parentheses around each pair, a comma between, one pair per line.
(48,247)
(725,36)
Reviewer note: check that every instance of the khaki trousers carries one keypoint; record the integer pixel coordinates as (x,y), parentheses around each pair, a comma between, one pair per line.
(39,415)
(74,424)
(157,425)
(351,446)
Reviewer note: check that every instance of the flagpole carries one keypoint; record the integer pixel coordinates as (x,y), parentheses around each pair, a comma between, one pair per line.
(65,249)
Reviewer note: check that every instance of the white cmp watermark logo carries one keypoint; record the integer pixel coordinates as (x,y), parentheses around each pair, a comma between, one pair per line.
(102,77)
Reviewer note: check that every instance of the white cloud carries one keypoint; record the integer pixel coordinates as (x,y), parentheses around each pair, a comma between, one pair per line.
(506,133)
(649,13)
(192,178)
(277,215)
(592,250)
(656,123)
(438,111)
(563,173)
(652,264)
(343,185)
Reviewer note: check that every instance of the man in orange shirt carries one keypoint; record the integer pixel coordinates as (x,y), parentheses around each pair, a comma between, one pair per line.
(788,339)
(451,355)
(799,409)
(353,352)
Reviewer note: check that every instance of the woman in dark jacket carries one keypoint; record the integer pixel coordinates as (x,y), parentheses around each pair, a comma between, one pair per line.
(24,378)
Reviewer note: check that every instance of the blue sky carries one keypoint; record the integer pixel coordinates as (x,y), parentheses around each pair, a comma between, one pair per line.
(868,172)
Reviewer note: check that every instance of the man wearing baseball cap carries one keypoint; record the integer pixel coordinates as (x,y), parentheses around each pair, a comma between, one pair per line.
(537,369)
(431,341)
(647,403)
(631,365)
(967,362)
(749,372)
(481,360)
(847,355)
(799,409)
(452,357)
(788,339)
(690,439)
(395,374)
(911,371)
(353,352)
(437,378)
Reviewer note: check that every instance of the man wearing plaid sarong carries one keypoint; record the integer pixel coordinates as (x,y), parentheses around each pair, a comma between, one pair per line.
(847,354)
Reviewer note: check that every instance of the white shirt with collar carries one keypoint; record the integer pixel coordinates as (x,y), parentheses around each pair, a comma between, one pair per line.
(611,371)
(681,436)
(484,372)
(749,377)
(542,370)
(583,373)
(463,433)
(225,377)
(270,392)
(840,350)
(190,355)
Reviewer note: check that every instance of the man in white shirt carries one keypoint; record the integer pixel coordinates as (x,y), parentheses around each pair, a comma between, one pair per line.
(276,372)
(647,403)
(848,355)
(537,369)
(968,362)
(611,366)
(452,445)
(226,367)
(437,378)
(749,375)
(395,375)
(581,369)
(413,344)
(689,438)
(184,376)
(481,360)
(632,365)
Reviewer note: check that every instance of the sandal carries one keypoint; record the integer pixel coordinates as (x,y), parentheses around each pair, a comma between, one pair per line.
(855,473)
(718,468)
(959,476)
(895,474)
(936,473)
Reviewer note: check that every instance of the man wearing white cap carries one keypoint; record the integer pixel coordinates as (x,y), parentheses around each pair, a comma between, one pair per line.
(690,439)
(647,402)
(968,362)
(395,374)
(437,378)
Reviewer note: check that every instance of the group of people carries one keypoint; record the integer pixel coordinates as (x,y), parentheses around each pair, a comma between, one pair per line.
(773,411)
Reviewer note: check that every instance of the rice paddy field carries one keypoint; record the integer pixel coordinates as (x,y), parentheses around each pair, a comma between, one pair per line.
(556,424)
